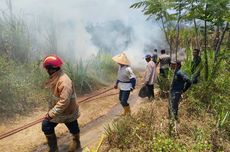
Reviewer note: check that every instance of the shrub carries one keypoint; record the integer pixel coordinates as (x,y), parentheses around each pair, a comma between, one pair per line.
(87,75)
(20,88)
(141,132)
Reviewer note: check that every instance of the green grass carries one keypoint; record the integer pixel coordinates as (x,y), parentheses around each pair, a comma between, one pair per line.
(141,133)
(205,125)
(90,74)
(82,80)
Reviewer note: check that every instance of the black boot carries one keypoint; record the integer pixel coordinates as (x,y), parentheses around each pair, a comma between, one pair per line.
(76,144)
(52,142)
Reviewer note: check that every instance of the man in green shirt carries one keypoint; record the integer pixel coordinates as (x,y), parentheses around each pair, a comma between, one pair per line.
(196,66)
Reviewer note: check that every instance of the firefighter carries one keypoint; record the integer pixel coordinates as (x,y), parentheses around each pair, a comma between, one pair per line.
(150,76)
(126,80)
(179,85)
(196,66)
(63,107)
(164,60)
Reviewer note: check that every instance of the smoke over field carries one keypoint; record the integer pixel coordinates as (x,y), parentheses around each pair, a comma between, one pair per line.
(79,29)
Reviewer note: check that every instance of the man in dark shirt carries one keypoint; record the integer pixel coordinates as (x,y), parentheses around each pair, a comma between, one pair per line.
(196,66)
(155,56)
(179,85)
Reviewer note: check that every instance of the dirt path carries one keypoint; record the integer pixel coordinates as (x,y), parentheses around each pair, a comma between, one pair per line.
(95,114)
(92,132)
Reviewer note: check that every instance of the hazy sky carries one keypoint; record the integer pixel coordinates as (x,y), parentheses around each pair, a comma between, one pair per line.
(71,18)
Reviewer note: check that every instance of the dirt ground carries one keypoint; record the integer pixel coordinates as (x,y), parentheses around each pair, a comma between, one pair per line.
(95,115)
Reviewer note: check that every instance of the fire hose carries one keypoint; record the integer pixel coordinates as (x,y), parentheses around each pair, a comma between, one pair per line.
(14,131)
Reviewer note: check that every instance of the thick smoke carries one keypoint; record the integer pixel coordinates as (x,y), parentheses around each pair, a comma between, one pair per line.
(79,29)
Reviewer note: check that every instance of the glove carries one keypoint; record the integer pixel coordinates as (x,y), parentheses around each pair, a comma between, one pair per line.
(131,89)
(144,84)
(47,117)
(115,86)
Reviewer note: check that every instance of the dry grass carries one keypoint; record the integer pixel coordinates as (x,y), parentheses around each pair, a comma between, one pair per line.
(148,131)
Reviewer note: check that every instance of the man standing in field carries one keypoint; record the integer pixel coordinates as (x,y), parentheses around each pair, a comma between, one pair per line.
(164,60)
(150,77)
(196,66)
(155,56)
(179,85)
(126,80)
(63,107)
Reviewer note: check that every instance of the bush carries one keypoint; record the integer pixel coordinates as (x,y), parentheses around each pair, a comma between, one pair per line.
(82,80)
(88,75)
(103,67)
(141,133)
(20,88)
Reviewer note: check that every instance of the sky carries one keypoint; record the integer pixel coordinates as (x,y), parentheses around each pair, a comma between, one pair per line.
(83,27)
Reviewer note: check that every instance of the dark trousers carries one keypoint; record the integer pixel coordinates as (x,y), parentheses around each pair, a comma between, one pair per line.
(123,97)
(175,100)
(48,127)
(195,80)
(164,72)
(150,91)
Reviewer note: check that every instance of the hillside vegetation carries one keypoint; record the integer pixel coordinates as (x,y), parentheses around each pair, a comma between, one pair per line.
(204,113)
(22,75)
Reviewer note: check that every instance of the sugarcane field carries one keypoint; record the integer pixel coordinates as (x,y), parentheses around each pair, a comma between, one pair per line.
(115,76)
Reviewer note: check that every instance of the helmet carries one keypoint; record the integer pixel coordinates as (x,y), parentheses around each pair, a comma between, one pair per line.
(52,61)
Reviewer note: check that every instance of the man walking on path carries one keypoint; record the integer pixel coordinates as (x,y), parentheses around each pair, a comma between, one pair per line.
(196,66)
(63,107)
(150,77)
(126,80)
(180,84)
(164,60)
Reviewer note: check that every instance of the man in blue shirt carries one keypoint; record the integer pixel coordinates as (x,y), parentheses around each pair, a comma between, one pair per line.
(179,85)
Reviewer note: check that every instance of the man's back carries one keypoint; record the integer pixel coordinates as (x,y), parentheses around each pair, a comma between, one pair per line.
(180,81)
(155,57)
(164,61)
(150,73)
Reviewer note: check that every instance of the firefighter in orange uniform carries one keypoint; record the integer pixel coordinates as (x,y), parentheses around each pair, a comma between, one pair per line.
(63,107)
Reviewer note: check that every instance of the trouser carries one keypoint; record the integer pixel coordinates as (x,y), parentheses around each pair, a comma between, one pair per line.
(164,72)
(195,80)
(150,91)
(123,97)
(48,127)
(175,100)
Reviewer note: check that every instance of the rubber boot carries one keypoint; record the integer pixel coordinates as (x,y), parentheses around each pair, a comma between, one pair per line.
(76,144)
(127,110)
(52,142)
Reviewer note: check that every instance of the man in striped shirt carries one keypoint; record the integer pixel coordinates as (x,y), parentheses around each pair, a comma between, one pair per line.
(164,60)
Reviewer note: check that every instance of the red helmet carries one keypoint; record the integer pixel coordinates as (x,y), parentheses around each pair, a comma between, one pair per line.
(52,61)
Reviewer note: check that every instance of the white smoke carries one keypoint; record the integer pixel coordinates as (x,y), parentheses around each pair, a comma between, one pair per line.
(68,20)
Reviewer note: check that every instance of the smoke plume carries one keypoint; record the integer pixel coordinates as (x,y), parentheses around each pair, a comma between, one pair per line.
(79,29)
